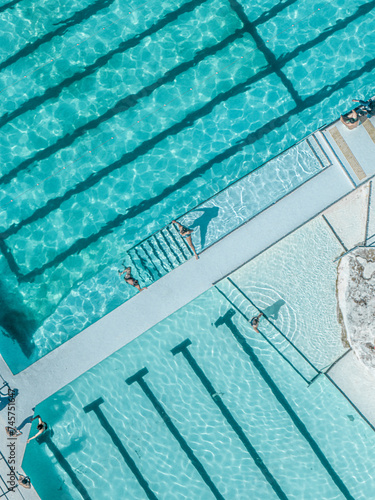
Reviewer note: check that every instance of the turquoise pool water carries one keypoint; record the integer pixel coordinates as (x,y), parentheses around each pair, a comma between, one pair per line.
(116,118)
(295,284)
(212,220)
(230,415)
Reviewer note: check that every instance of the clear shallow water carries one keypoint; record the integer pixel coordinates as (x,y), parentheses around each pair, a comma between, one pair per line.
(79,194)
(294,282)
(265,397)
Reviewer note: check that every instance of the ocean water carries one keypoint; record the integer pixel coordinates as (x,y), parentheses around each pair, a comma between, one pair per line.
(117,118)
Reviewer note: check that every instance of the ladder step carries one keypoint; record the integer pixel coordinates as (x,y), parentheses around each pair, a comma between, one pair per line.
(153,261)
(140,265)
(164,248)
(149,263)
(158,254)
(175,235)
(178,257)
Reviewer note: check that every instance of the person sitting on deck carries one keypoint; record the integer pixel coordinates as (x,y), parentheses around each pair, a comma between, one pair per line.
(12,431)
(24,481)
(366,107)
(42,426)
(130,280)
(186,233)
(350,120)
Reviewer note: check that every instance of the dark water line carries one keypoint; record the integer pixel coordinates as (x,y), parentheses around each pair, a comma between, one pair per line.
(74,20)
(264,337)
(9,5)
(290,342)
(129,101)
(227,321)
(342,24)
(13,266)
(138,377)
(183,348)
(262,47)
(270,14)
(95,407)
(64,464)
(251,138)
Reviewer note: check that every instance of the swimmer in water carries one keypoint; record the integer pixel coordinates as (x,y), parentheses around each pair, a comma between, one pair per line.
(42,426)
(130,280)
(254,322)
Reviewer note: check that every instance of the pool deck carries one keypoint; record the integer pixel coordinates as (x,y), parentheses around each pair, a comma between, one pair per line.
(191,279)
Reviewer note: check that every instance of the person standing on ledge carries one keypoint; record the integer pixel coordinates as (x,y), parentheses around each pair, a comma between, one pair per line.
(130,280)
(186,233)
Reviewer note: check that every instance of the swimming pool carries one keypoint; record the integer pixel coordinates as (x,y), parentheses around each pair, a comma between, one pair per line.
(220,411)
(117,118)
(165,250)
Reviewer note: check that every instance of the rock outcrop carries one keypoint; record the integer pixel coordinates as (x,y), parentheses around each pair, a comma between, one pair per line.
(356,302)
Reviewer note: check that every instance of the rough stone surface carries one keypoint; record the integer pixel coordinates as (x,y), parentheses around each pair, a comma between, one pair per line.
(356,302)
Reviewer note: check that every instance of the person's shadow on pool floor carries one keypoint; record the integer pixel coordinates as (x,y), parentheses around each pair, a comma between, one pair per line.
(273,310)
(203,222)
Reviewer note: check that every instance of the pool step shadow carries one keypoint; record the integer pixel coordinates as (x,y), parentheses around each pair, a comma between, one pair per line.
(159,254)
